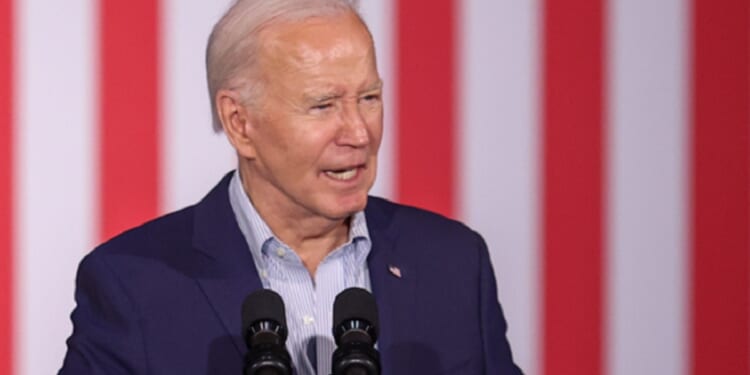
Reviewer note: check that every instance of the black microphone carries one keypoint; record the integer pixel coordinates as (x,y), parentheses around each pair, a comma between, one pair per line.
(264,330)
(355,329)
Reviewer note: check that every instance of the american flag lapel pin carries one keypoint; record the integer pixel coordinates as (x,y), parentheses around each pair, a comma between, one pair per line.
(395,271)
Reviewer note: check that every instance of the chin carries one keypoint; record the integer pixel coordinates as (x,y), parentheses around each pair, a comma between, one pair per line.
(345,207)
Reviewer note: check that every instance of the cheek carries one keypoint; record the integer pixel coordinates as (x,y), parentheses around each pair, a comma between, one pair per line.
(292,139)
(305,148)
(375,128)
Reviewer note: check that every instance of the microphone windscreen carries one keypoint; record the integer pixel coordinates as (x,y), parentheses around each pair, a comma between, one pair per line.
(355,303)
(263,304)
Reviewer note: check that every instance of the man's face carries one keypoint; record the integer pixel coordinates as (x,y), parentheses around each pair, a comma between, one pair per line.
(317,127)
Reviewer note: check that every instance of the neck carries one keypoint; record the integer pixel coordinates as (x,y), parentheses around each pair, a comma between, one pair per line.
(311,236)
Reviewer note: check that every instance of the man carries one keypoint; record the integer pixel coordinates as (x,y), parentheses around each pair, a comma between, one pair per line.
(296,90)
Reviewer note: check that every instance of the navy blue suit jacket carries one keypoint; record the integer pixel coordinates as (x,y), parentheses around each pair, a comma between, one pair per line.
(164,298)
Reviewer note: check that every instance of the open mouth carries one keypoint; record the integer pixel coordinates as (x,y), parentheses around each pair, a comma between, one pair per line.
(342,174)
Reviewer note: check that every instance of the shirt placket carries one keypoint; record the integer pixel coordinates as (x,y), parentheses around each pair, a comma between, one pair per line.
(293,282)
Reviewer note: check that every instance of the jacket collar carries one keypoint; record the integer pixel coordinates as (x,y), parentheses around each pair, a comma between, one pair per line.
(233,275)
(393,275)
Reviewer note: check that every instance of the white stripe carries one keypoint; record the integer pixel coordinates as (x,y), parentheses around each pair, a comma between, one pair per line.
(56,172)
(194,157)
(498,181)
(647,177)
(381,21)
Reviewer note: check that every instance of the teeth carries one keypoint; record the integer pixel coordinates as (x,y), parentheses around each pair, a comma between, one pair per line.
(343,175)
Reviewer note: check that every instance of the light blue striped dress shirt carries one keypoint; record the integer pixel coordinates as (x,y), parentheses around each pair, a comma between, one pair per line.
(308,300)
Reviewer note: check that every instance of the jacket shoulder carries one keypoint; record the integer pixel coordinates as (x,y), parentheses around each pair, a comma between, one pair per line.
(162,232)
(173,230)
(410,219)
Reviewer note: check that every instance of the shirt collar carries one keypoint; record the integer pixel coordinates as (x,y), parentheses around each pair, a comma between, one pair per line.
(258,233)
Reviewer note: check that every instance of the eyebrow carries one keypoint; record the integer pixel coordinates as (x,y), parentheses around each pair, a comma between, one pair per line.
(320,96)
(375,86)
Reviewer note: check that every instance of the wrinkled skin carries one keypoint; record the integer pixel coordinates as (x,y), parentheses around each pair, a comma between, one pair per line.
(308,146)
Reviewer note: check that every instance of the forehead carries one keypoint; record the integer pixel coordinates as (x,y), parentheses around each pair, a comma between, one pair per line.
(316,42)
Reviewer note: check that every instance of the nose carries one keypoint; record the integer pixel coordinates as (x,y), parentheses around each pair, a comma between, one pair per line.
(353,131)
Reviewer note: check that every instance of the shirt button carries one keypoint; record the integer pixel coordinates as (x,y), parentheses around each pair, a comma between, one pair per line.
(280,252)
(307,319)
(264,274)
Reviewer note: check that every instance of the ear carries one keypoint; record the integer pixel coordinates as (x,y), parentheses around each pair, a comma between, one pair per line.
(236,122)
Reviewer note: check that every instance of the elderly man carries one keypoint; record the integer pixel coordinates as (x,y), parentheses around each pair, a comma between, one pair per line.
(296,90)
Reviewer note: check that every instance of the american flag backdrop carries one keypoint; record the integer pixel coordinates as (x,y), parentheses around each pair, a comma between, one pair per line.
(602,147)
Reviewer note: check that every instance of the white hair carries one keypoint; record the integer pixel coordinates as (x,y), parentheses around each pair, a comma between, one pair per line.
(233,47)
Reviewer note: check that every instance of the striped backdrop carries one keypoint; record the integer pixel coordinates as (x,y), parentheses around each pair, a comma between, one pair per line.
(602,147)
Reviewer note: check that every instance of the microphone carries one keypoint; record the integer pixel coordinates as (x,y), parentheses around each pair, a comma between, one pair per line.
(264,330)
(355,329)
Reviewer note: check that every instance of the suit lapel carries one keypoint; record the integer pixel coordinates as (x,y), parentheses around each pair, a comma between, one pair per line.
(233,274)
(393,276)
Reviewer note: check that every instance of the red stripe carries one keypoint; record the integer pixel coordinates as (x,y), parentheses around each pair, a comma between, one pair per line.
(573,204)
(426,113)
(129,119)
(6,186)
(720,187)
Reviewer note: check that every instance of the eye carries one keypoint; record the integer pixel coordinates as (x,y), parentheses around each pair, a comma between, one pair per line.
(322,106)
(371,98)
